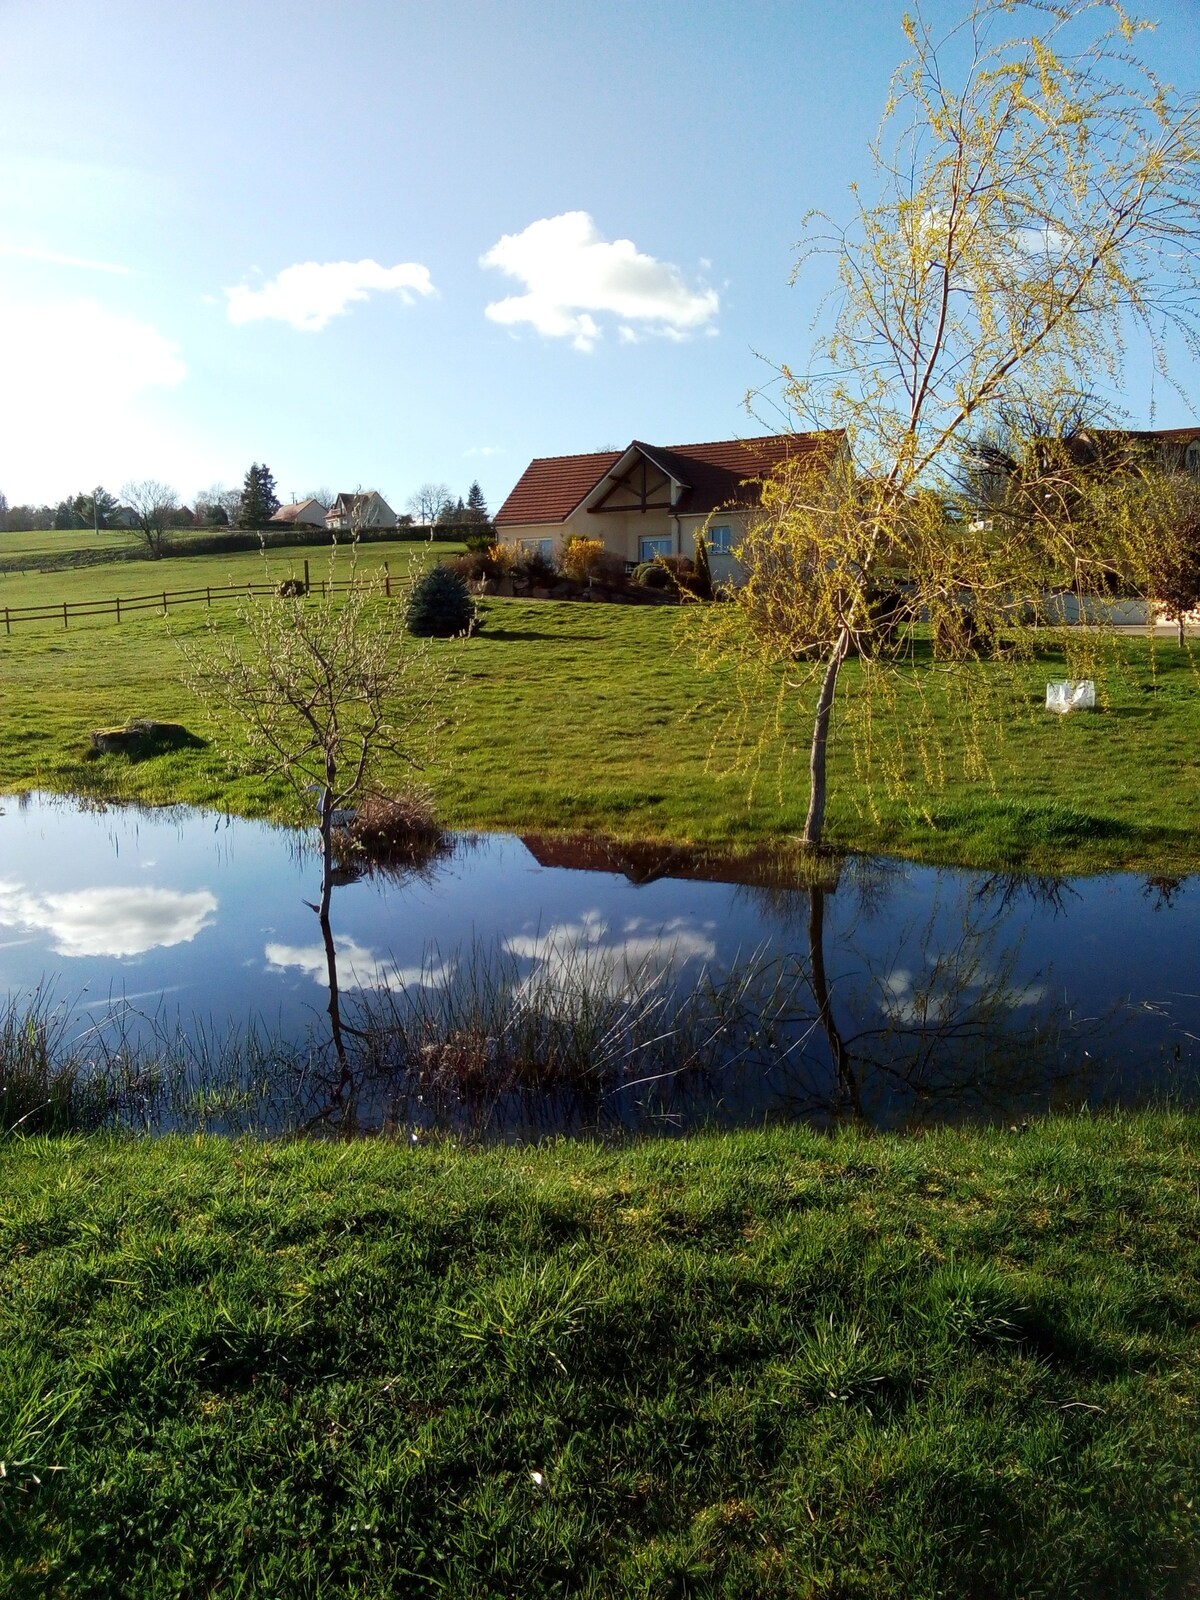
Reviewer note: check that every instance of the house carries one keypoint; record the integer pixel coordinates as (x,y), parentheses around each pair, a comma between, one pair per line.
(651,500)
(351,513)
(1112,449)
(1170,449)
(303,514)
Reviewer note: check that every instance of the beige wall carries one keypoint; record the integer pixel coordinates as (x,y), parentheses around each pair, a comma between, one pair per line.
(623,531)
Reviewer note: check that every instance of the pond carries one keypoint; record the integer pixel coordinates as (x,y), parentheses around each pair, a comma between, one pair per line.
(515,986)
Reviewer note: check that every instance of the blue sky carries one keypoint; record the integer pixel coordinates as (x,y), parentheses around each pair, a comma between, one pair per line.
(180,182)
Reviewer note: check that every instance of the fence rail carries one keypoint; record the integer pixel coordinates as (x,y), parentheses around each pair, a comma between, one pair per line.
(163,599)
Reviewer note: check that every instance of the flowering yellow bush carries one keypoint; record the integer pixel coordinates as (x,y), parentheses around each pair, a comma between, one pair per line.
(582,558)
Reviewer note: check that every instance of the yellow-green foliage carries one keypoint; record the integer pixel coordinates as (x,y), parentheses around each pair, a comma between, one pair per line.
(584,559)
(1019,223)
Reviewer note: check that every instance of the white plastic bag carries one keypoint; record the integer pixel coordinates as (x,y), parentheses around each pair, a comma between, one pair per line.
(1070,694)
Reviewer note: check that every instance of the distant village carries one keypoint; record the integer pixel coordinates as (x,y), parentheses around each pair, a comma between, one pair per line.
(150,506)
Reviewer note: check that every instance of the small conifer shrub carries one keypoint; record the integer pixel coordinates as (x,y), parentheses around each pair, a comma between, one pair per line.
(702,588)
(440,606)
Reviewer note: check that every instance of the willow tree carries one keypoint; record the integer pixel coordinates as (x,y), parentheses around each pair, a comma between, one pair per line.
(1034,206)
(321,688)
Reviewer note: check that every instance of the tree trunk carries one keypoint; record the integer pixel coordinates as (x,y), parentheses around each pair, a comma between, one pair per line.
(1179,625)
(814,825)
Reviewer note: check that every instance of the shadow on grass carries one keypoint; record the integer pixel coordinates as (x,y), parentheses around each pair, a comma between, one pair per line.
(572,638)
(1014,826)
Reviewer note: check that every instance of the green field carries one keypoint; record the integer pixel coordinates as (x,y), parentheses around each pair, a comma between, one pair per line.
(108,580)
(29,549)
(577,717)
(757,1366)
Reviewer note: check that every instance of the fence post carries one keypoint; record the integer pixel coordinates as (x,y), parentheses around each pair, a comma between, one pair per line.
(7,623)
(387,580)
(64,613)
(208,594)
(306,574)
(118,608)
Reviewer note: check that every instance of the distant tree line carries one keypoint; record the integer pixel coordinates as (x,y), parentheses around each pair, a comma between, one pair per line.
(434,504)
(154,509)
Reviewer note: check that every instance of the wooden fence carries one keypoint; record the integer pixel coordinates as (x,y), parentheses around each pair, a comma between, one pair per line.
(163,600)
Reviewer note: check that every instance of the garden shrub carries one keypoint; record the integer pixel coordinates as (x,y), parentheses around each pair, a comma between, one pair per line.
(887,611)
(440,606)
(957,636)
(653,575)
(588,559)
(477,565)
(292,589)
(667,572)
(681,568)
(535,569)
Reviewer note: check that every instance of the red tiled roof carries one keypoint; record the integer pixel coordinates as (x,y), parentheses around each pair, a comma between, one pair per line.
(552,486)
(1148,435)
(290,513)
(714,474)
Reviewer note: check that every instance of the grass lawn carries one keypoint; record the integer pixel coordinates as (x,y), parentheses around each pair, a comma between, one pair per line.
(764,1365)
(29,548)
(595,717)
(125,579)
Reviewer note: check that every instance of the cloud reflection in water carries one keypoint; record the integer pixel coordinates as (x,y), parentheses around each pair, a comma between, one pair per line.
(637,948)
(109,922)
(357,966)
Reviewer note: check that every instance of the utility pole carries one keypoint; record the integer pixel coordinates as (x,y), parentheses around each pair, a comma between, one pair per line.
(96,511)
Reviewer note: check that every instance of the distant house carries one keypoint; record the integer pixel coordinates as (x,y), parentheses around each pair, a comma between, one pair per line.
(123,517)
(304,513)
(649,500)
(1108,449)
(350,513)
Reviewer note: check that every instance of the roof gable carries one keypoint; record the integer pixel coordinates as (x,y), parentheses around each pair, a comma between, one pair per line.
(296,509)
(722,472)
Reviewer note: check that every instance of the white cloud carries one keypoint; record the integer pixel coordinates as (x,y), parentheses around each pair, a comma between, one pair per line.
(569,272)
(109,922)
(484,450)
(310,294)
(357,966)
(81,397)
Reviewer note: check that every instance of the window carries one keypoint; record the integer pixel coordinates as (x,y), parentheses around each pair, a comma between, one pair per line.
(1192,458)
(720,540)
(541,547)
(649,549)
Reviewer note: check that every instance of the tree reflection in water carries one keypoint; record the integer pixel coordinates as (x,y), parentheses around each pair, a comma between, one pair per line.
(942,1028)
(345,860)
(934,1024)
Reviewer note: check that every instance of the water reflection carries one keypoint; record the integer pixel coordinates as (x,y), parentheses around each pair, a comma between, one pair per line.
(940,1025)
(622,988)
(362,968)
(108,921)
(616,958)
